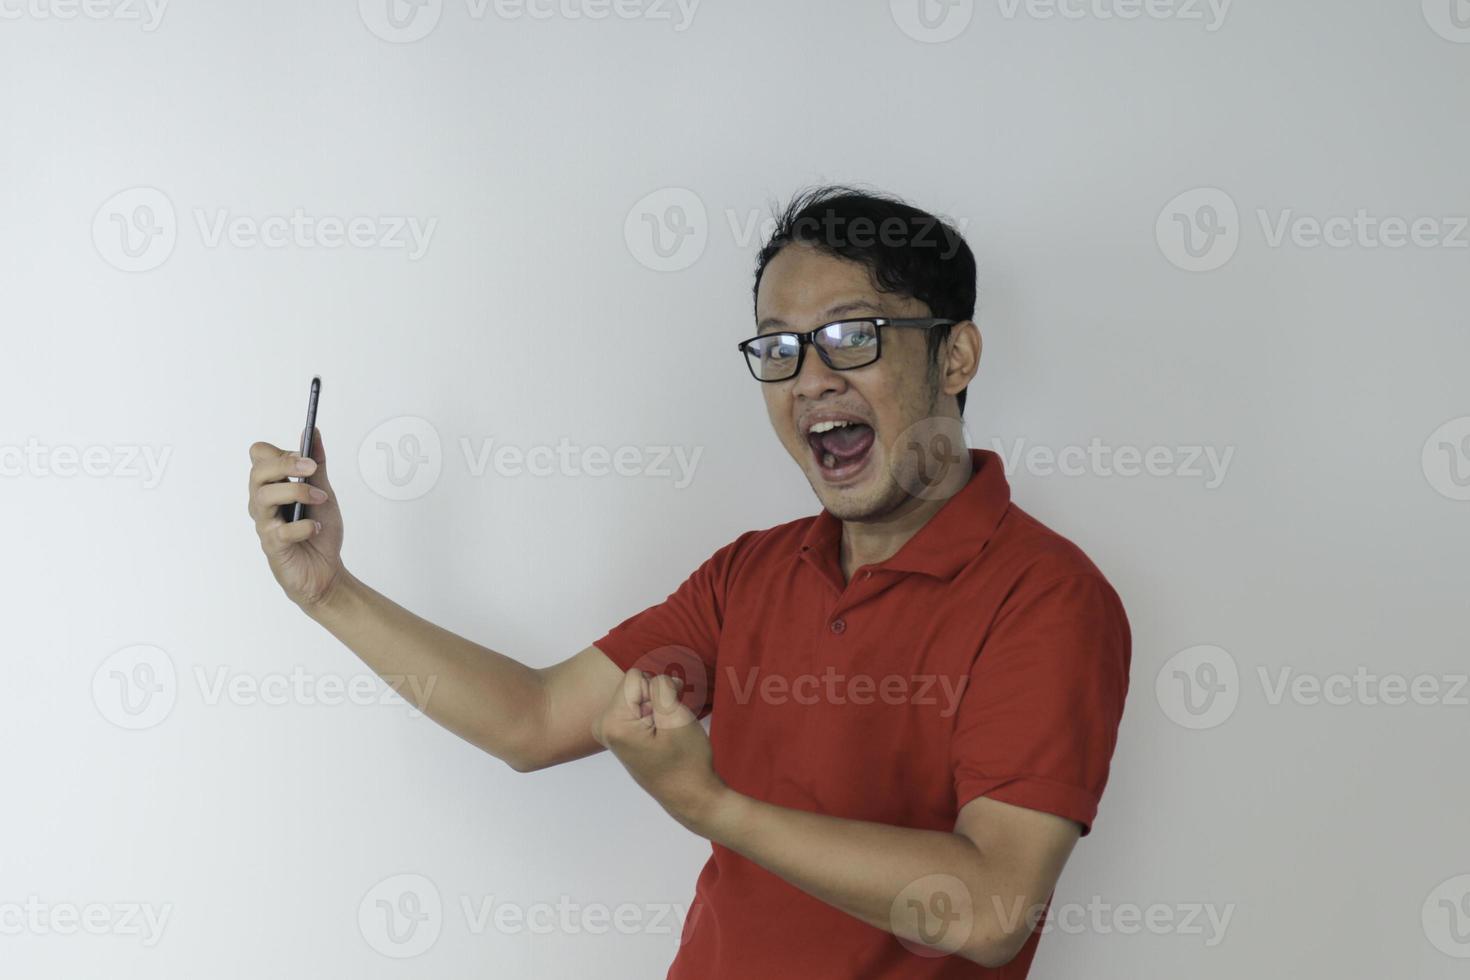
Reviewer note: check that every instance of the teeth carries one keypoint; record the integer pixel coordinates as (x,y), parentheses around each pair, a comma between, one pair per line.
(828,426)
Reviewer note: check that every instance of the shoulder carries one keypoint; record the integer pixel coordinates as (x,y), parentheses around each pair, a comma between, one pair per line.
(1033,559)
(761,549)
(773,543)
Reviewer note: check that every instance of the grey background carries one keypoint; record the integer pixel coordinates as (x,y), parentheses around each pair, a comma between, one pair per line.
(1331,834)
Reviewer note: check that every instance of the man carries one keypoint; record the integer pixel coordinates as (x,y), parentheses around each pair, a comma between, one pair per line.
(913,696)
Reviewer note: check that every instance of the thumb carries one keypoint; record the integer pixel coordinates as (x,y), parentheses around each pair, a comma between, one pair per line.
(318,477)
(668,710)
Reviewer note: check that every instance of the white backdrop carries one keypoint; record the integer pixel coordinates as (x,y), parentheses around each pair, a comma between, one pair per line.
(1230,236)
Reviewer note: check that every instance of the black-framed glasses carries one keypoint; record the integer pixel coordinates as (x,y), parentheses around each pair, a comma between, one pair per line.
(842,345)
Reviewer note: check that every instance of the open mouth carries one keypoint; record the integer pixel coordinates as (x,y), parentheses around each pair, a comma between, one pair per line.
(841,448)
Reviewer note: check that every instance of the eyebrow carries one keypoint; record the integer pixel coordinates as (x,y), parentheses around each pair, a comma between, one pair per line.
(832,312)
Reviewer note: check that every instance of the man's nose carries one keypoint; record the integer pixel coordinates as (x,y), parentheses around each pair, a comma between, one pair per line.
(815,378)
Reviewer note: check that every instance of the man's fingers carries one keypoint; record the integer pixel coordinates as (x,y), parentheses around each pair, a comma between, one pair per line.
(626,710)
(318,477)
(668,710)
(318,448)
(634,694)
(287,533)
(262,451)
(272,465)
(273,495)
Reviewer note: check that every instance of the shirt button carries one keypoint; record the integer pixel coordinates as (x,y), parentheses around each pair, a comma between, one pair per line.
(838,625)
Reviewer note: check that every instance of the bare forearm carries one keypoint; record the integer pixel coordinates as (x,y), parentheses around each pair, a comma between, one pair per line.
(486,698)
(863,868)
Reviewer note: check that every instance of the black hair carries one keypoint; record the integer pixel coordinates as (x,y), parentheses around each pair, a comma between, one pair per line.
(907,251)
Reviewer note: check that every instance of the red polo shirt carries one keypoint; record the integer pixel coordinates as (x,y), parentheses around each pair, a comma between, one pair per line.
(987,657)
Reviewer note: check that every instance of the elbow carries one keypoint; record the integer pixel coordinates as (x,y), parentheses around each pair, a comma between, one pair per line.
(994,949)
(518,754)
(991,941)
(523,761)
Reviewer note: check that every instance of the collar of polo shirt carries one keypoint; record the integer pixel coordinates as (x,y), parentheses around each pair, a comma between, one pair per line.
(950,540)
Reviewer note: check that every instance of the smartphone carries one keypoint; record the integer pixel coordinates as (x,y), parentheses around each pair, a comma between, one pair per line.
(298,509)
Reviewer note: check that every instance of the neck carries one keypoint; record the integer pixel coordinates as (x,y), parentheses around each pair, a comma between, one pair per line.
(870,542)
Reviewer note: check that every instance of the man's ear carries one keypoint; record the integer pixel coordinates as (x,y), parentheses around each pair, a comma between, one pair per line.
(963,358)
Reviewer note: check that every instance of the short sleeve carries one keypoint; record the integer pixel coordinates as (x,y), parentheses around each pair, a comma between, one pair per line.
(1039,717)
(682,633)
